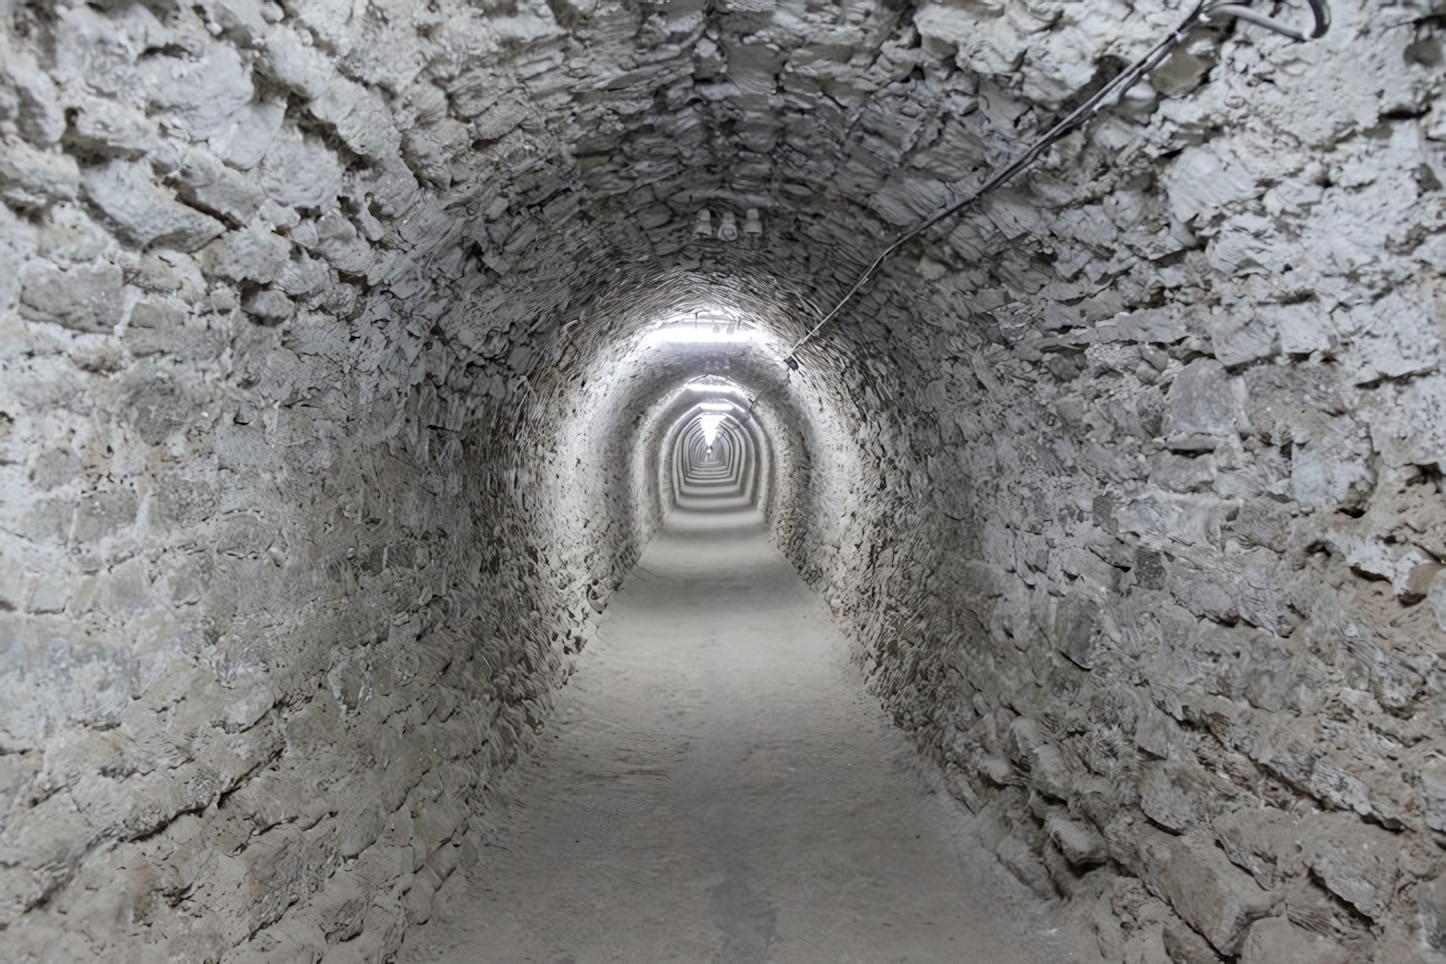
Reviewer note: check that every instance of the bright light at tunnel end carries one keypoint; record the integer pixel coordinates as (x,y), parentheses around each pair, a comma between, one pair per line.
(716,406)
(710,425)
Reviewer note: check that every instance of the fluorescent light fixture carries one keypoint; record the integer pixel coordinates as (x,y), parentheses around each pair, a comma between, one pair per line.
(687,333)
(710,425)
(716,406)
(705,326)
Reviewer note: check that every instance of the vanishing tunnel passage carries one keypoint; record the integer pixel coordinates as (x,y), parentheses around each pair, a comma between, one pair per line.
(433,433)
(716,786)
(715,458)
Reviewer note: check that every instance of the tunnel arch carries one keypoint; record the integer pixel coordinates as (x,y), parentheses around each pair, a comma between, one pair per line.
(328,423)
(713,462)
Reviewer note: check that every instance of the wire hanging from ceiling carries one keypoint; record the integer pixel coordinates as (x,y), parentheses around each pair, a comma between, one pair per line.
(1106,96)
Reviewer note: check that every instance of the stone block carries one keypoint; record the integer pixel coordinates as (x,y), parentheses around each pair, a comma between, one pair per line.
(1302,329)
(1241,335)
(1433,794)
(361,830)
(1262,840)
(1393,337)
(160,315)
(101,513)
(146,212)
(200,93)
(1330,466)
(247,255)
(41,851)
(255,127)
(1161,325)
(1436,598)
(1075,630)
(49,594)
(55,467)
(125,591)
(1204,179)
(13,586)
(1355,860)
(275,872)
(1178,795)
(1408,424)
(206,181)
(155,409)
(1205,888)
(1177,473)
(1025,864)
(1161,519)
(418,900)
(436,820)
(40,114)
(1431,910)
(47,520)
(30,178)
(1253,579)
(300,171)
(1275,940)
(1080,843)
(1157,733)
(1203,408)
(111,129)
(269,306)
(86,298)
(1184,945)
(1049,772)
(1149,569)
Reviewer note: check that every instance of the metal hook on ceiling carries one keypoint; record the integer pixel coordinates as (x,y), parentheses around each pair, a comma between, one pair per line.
(1079,117)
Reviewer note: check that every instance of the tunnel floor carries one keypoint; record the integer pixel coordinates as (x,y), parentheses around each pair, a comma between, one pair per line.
(719,787)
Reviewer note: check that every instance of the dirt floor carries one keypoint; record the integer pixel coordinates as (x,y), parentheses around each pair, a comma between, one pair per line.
(720,788)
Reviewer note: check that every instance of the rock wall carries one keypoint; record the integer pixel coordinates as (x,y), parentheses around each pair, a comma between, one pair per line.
(326,417)
(1174,612)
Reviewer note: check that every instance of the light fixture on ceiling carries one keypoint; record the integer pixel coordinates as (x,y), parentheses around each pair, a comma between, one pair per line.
(701,327)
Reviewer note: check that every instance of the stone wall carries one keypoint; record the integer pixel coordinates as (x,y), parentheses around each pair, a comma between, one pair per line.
(1174,611)
(325,421)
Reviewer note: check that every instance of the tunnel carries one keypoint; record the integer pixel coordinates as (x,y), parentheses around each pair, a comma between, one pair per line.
(585,480)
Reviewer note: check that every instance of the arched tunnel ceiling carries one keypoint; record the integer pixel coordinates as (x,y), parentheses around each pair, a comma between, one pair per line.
(329,417)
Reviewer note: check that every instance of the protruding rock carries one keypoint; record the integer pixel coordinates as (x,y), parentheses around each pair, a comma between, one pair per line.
(1212,894)
(1356,860)
(147,213)
(1275,940)
(1204,407)
(31,178)
(85,298)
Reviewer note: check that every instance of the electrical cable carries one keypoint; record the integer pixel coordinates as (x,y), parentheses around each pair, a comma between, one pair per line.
(1076,119)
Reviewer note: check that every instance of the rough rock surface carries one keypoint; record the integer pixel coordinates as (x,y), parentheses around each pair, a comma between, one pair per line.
(328,415)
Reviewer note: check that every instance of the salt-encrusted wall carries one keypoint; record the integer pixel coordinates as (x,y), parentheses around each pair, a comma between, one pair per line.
(1175,610)
(318,334)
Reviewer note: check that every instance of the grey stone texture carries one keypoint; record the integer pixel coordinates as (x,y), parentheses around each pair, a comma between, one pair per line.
(329,417)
